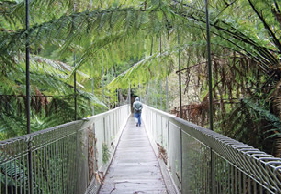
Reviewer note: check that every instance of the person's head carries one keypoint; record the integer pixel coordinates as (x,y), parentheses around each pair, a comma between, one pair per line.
(137,99)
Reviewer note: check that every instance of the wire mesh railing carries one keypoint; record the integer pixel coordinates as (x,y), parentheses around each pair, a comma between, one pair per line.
(67,159)
(201,161)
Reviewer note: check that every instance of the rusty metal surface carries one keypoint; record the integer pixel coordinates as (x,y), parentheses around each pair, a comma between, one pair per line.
(135,168)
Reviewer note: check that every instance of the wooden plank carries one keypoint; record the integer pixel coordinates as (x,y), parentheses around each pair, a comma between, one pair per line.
(135,168)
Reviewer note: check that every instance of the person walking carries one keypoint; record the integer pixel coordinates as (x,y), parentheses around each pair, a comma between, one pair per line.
(137,111)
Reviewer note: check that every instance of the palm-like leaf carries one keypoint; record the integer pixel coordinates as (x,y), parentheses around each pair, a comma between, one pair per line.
(131,42)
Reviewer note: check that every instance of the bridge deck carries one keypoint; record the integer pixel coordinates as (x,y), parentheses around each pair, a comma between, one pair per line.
(135,168)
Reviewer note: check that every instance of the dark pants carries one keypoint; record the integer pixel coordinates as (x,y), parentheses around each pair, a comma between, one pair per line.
(138,116)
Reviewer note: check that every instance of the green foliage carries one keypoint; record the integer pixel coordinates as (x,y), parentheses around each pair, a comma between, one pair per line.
(105,153)
(12,174)
(252,123)
(113,44)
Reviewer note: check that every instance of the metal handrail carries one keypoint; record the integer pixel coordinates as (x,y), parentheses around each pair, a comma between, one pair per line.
(202,161)
(71,158)
(67,159)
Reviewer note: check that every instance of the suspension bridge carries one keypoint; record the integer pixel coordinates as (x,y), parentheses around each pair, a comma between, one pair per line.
(107,153)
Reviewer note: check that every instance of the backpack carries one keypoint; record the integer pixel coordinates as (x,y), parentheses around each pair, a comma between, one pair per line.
(138,109)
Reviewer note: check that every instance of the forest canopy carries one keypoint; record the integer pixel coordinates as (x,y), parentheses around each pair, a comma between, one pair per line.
(155,47)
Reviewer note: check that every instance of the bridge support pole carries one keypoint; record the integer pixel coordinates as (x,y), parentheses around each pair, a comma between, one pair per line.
(27,103)
(75,88)
(210,73)
(129,95)
(210,77)
(179,58)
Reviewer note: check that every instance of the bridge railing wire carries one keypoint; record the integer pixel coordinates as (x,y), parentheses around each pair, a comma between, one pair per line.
(68,159)
(202,161)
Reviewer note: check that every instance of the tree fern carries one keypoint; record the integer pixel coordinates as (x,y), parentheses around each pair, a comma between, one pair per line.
(117,43)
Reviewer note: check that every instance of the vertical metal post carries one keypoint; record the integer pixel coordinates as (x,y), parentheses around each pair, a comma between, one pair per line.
(210,76)
(147,94)
(167,94)
(93,92)
(129,95)
(27,84)
(27,65)
(156,96)
(102,83)
(161,100)
(92,87)
(179,73)
(210,73)
(117,98)
(74,75)
(75,89)
(181,159)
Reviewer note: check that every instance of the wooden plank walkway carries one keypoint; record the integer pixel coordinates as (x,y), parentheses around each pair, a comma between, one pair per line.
(135,168)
